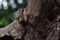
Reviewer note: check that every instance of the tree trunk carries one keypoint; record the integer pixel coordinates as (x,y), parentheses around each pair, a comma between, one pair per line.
(42,23)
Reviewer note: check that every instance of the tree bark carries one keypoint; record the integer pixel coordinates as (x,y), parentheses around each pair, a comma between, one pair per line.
(41,23)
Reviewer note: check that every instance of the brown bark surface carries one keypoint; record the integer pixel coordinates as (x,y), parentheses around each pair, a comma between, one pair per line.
(41,23)
(42,15)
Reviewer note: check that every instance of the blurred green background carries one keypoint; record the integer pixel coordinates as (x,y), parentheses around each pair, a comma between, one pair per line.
(7,10)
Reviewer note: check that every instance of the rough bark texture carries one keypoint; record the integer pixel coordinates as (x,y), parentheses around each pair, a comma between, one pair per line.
(42,24)
(14,29)
(42,20)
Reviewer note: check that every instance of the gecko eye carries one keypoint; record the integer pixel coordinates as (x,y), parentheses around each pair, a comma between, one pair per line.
(9,9)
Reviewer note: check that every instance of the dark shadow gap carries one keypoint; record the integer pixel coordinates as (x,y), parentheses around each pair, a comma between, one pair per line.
(6,38)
